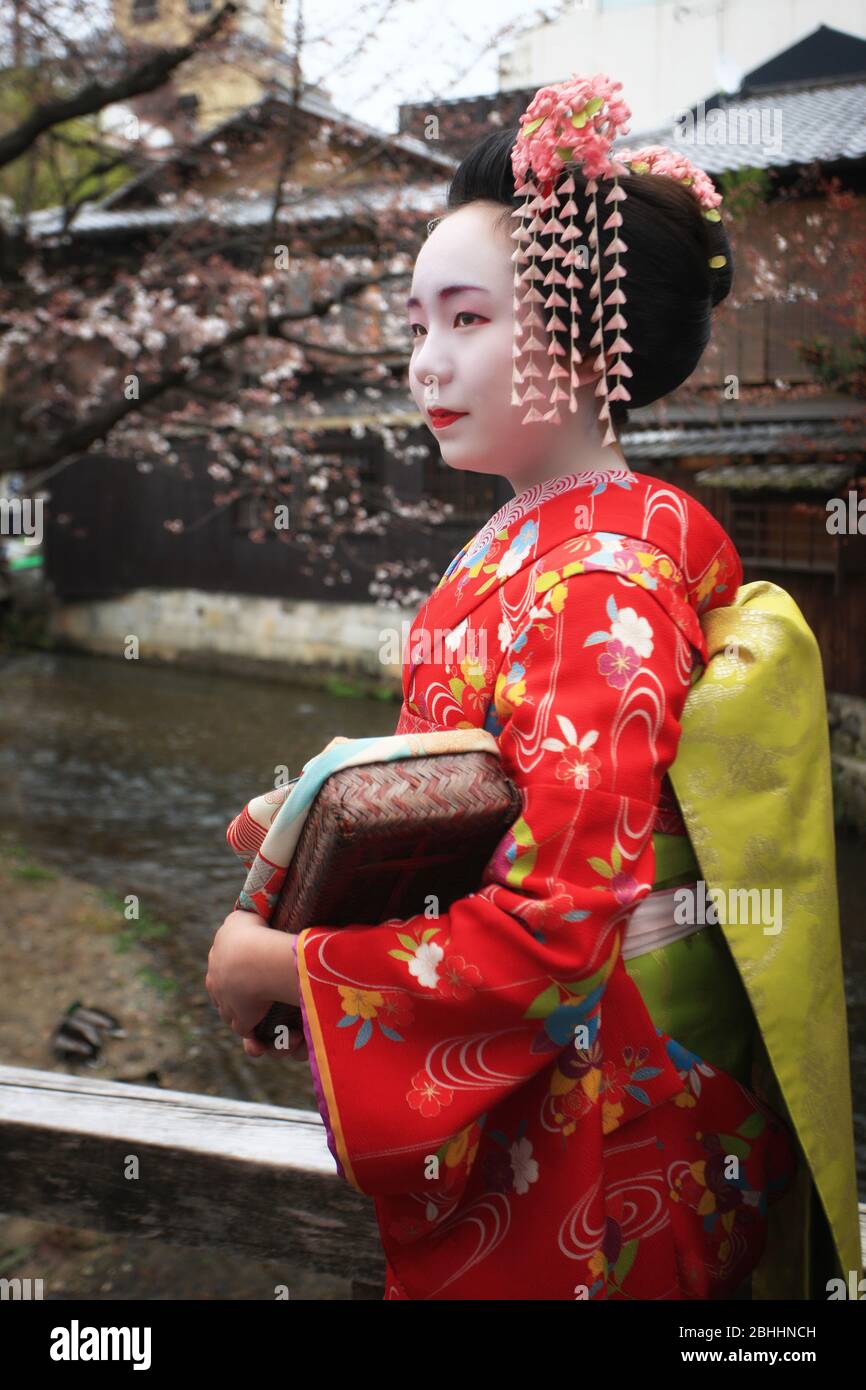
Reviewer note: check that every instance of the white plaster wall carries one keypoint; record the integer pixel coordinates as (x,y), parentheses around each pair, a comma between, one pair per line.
(177,624)
(668,54)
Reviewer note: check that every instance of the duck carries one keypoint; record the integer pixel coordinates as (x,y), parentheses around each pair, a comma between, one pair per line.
(80,1032)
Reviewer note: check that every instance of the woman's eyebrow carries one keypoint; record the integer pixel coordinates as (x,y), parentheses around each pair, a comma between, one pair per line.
(413,303)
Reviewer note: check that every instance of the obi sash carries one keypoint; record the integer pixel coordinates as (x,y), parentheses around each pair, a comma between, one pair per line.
(753,784)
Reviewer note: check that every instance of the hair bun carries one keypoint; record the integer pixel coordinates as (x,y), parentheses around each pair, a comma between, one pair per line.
(720,259)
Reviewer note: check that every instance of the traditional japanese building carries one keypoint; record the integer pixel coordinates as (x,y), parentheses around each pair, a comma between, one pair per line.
(766,433)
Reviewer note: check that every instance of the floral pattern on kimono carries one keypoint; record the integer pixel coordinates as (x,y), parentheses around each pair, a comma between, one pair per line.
(490,1075)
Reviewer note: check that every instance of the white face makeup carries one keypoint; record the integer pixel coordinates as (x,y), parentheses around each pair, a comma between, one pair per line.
(462,358)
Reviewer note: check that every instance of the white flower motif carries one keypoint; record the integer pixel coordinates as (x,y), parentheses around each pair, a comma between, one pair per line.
(509,564)
(455,636)
(423,967)
(505,634)
(523,1165)
(633,631)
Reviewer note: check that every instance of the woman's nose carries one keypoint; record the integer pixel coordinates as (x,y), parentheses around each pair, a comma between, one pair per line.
(432,370)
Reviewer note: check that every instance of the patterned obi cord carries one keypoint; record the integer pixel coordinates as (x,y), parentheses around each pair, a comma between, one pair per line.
(691,985)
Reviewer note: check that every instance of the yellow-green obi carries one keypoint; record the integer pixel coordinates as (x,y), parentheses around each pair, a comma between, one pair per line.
(752,781)
(692,987)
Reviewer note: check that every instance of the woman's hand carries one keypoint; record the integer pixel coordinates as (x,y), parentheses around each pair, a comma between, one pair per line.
(249,967)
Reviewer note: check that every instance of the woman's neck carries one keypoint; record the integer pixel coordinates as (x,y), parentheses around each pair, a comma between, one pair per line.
(572,446)
(568,459)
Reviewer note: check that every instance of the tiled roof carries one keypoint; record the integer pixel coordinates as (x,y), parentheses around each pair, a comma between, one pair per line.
(374,407)
(789,438)
(248,212)
(780,477)
(313,102)
(366,407)
(819,121)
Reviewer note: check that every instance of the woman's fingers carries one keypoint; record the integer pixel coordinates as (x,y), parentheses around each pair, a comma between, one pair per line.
(296,1049)
(296,1046)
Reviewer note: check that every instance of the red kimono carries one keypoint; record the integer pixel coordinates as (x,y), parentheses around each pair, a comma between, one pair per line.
(491,1076)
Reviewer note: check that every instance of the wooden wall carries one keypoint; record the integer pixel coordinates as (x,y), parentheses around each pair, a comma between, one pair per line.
(833,604)
(839,623)
(105,536)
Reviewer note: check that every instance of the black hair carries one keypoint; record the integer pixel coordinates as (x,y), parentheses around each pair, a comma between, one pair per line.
(670,287)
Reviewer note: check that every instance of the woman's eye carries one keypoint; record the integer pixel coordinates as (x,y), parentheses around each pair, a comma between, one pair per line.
(464,313)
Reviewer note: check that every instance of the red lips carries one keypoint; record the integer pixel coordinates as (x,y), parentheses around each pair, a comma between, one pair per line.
(439,418)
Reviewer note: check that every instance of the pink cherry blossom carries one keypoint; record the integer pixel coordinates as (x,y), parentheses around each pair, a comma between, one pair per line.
(589,144)
(661,160)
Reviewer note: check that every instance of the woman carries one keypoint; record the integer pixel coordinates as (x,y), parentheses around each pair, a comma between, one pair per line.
(546,1089)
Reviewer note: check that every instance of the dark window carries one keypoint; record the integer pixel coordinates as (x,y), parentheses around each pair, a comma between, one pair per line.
(198,6)
(782,534)
(188,103)
(144,11)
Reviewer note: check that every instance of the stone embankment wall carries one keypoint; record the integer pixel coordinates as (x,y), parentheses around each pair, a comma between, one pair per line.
(294,640)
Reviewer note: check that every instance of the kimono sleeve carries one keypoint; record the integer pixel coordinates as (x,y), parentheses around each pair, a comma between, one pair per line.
(418,1028)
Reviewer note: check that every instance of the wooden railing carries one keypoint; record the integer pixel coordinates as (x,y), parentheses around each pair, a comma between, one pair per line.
(222,1173)
(212,1172)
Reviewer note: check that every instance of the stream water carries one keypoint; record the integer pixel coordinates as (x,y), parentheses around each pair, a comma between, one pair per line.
(127,776)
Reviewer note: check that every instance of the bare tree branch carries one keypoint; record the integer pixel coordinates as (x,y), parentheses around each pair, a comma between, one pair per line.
(146,77)
(69,187)
(360,355)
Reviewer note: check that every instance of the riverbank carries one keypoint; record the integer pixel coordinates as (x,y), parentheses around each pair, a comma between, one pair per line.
(63,941)
(344,648)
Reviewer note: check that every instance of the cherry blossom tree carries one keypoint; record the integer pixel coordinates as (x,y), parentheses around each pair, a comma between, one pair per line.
(204,322)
